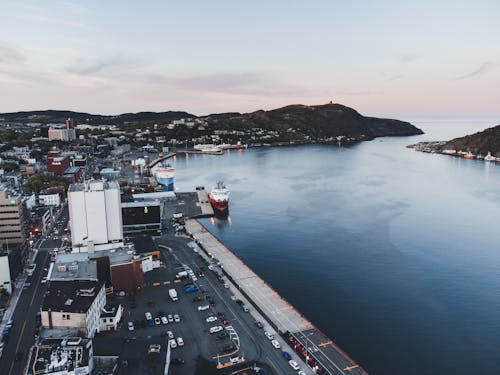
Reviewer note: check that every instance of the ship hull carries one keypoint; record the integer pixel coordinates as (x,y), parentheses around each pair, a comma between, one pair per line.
(220,207)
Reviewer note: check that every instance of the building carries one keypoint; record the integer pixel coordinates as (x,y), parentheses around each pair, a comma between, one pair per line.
(57,164)
(66,135)
(5,280)
(49,199)
(142,217)
(13,221)
(74,305)
(95,215)
(111,316)
(68,356)
(73,174)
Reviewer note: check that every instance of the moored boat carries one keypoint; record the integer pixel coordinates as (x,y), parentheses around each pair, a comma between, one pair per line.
(219,198)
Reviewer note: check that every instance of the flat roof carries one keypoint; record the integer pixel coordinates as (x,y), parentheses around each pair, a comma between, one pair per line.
(73,270)
(144,244)
(94,185)
(71,296)
(60,355)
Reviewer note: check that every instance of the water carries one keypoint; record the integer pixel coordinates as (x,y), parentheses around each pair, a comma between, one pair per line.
(393,253)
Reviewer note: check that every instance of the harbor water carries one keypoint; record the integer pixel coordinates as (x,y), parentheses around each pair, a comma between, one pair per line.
(393,253)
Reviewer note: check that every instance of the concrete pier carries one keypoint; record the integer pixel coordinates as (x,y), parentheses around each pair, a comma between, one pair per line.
(304,336)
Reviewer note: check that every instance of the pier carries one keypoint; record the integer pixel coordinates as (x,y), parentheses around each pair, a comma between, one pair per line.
(302,336)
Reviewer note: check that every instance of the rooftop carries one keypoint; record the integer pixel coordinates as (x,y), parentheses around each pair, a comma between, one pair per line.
(73,270)
(94,185)
(71,296)
(60,355)
(144,244)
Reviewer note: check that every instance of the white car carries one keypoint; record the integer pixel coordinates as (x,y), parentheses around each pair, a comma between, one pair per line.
(44,280)
(269,335)
(148,316)
(301,372)
(294,365)
(276,344)
(164,320)
(170,334)
(157,321)
(177,318)
(204,307)
(211,319)
(216,329)
(173,343)
(130,326)
(180,341)
(170,318)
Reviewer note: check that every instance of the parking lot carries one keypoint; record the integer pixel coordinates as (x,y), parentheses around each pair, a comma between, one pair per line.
(213,304)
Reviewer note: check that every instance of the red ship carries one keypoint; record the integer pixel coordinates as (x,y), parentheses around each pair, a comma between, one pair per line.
(219,198)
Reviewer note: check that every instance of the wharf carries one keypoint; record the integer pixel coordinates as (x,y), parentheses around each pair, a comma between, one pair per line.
(278,312)
(204,203)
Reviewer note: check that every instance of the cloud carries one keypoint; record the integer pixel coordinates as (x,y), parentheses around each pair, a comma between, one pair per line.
(100,65)
(485,67)
(9,55)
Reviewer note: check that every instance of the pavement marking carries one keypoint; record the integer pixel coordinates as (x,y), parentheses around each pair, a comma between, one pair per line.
(325,343)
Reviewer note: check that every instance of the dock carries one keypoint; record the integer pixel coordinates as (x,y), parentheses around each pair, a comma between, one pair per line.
(302,336)
(204,203)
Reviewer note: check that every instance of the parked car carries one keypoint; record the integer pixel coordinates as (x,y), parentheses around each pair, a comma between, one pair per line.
(211,319)
(173,343)
(177,318)
(269,335)
(148,316)
(203,307)
(259,324)
(286,355)
(170,335)
(180,341)
(276,344)
(294,365)
(170,318)
(130,326)
(216,329)
(157,321)
(164,320)
(197,299)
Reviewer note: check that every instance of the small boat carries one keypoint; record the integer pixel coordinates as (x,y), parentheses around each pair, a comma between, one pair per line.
(489,157)
(469,155)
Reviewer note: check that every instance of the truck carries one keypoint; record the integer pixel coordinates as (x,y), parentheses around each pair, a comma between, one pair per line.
(173,294)
(182,275)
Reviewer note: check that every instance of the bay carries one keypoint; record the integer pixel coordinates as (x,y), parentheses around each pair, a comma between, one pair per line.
(393,253)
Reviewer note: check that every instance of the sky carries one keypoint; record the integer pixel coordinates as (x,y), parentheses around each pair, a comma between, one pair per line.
(383,58)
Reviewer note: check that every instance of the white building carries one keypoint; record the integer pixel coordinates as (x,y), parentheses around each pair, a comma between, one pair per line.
(74,305)
(5,282)
(95,216)
(62,134)
(49,199)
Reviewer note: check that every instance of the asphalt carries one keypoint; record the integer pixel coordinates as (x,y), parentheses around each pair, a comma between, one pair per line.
(249,340)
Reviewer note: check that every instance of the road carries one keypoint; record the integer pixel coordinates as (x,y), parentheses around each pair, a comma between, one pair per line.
(21,336)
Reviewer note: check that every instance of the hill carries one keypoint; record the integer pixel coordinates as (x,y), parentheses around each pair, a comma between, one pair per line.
(55,116)
(317,121)
(478,143)
(291,123)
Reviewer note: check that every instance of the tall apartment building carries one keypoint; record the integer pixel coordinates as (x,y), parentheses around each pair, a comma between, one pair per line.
(13,224)
(95,216)
(62,134)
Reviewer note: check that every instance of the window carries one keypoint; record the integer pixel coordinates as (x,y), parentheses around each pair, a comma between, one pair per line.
(65,317)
